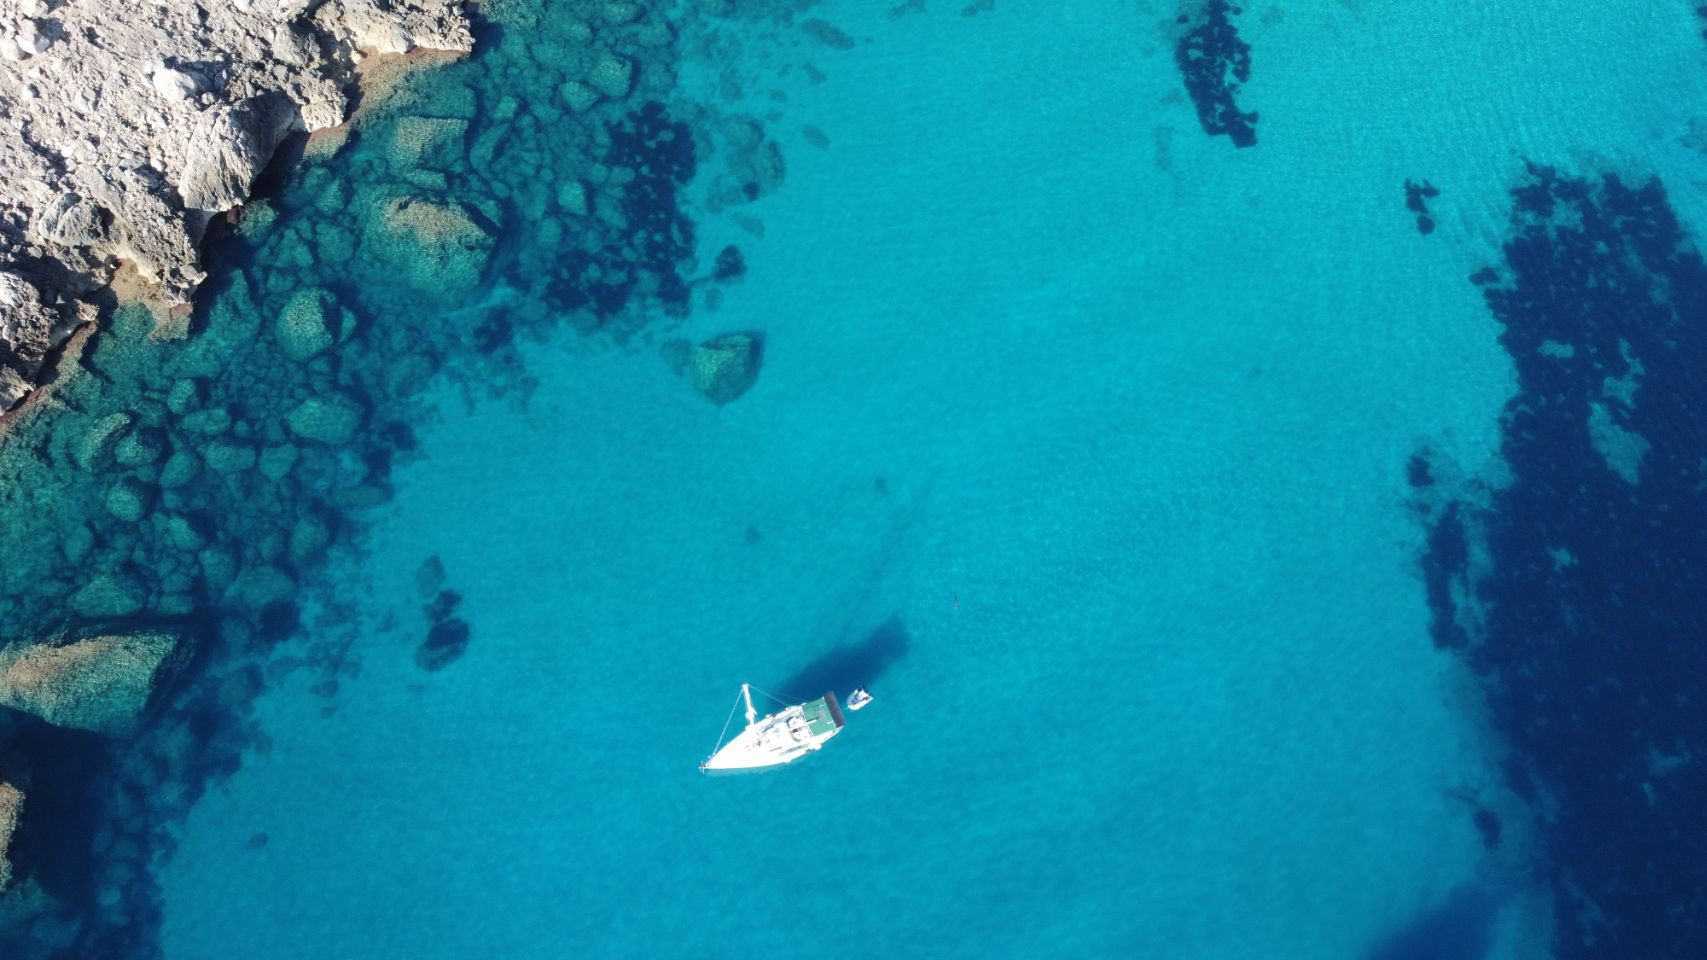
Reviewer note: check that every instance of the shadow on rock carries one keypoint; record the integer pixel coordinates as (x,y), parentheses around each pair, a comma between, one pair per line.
(852,665)
(1461,927)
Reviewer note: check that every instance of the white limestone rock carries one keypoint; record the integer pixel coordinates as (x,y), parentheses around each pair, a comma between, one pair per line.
(73,221)
(323,114)
(173,85)
(30,38)
(371,29)
(227,149)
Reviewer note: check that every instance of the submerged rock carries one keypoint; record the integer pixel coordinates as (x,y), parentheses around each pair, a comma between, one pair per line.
(276,461)
(219,565)
(430,577)
(330,420)
(572,197)
(310,323)
(109,595)
(408,374)
(443,604)
(618,12)
(308,538)
(223,457)
(260,586)
(730,264)
(185,534)
(445,642)
(95,450)
(128,500)
(185,395)
(101,684)
(211,422)
(139,448)
(432,142)
(754,171)
(11,808)
(180,469)
(77,543)
(435,246)
(612,76)
(725,367)
(578,96)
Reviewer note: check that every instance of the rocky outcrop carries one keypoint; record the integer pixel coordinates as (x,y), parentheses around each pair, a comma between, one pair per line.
(30,327)
(128,126)
(228,146)
(11,808)
(99,683)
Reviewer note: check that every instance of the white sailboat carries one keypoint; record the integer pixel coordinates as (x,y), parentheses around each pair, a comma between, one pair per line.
(778,738)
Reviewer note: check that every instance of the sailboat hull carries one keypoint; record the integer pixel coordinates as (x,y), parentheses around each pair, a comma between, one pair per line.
(780,738)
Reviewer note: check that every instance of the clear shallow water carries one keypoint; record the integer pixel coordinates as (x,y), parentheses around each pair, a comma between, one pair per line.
(1141,428)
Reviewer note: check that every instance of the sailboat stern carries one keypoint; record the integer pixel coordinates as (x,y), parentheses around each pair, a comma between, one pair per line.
(825,714)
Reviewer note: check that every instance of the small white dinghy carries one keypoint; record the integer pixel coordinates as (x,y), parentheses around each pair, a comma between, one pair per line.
(859,698)
(782,737)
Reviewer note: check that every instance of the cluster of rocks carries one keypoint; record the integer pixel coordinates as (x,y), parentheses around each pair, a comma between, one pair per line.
(191,487)
(211,473)
(128,127)
(83,817)
(1215,63)
(154,466)
(1417,196)
(102,684)
(447,637)
(174,483)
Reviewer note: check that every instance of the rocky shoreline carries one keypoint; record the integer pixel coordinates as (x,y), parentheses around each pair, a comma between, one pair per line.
(178,480)
(130,127)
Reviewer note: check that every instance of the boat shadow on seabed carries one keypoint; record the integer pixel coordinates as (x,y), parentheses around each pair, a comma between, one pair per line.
(849,666)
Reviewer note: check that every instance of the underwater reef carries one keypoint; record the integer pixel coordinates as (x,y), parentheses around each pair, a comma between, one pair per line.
(175,503)
(1417,196)
(1214,62)
(1577,585)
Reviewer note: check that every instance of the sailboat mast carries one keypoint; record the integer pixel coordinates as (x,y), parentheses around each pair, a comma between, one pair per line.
(751,713)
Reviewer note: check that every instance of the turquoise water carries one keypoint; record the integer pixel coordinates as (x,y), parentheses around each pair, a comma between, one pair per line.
(1094,426)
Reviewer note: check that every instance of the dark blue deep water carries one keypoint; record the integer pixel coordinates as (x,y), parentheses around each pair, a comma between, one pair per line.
(1592,608)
